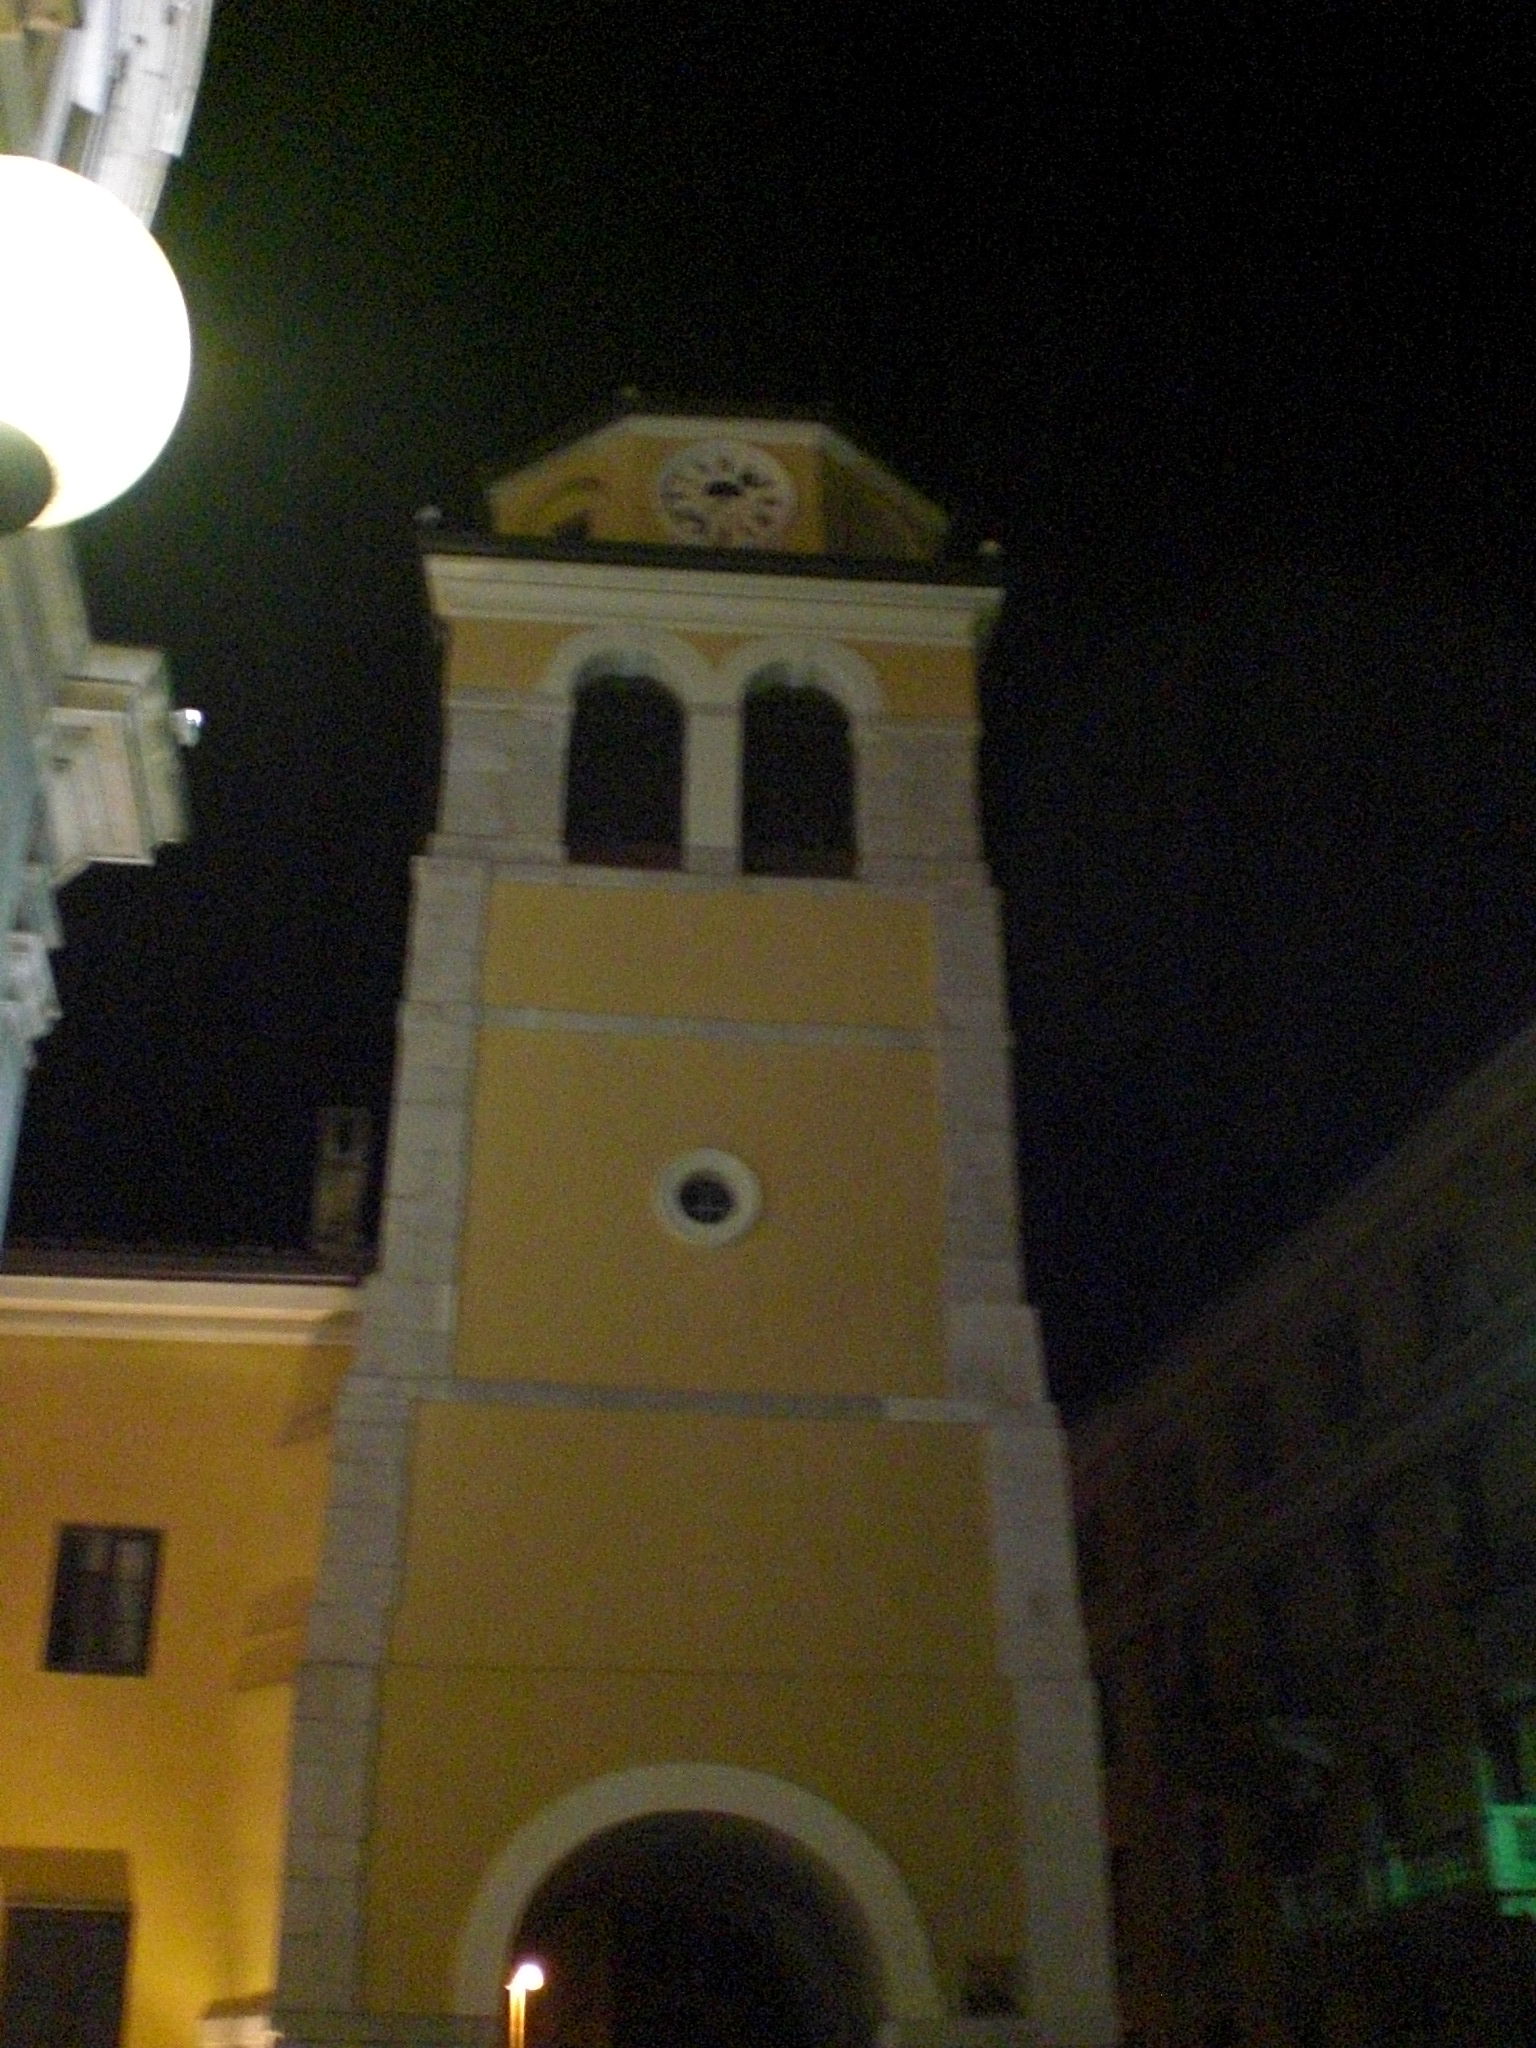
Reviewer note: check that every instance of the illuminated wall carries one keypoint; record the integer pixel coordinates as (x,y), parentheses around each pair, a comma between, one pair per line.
(162,1793)
(774,1499)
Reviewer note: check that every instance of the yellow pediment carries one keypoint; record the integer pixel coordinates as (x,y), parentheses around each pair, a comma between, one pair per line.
(670,480)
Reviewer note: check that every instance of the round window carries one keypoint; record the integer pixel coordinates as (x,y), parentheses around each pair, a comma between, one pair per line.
(707,1197)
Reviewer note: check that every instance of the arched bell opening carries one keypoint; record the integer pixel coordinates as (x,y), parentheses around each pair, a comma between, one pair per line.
(624,774)
(797,779)
(698,1928)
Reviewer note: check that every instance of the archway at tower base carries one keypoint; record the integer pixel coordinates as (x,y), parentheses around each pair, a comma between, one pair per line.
(702,1928)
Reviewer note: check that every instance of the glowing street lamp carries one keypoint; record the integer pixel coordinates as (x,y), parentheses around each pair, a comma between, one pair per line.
(95,350)
(525,1978)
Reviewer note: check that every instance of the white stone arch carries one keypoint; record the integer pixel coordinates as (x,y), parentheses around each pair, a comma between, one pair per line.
(630,651)
(840,671)
(711,731)
(897,1937)
(844,675)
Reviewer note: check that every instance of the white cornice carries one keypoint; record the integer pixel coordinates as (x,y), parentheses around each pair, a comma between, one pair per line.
(298,1313)
(579,594)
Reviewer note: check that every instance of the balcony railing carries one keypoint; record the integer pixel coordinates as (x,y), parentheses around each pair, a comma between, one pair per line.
(1496,1855)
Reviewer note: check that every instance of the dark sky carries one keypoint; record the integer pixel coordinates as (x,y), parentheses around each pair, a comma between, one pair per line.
(1220,319)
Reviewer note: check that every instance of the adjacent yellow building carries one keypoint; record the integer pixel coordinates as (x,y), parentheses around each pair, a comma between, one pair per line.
(695,1604)
(165,1448)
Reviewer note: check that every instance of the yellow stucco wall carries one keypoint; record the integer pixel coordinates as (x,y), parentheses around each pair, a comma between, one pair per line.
(567,1274)
(174,1771)
(771,956)
(591,1592)
(558,1538)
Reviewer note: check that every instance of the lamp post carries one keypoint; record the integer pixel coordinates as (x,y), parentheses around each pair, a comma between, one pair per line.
(525,1978)
(95,350)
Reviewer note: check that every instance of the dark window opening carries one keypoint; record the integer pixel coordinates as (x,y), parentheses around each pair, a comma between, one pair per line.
(1108,1689)
(705,1198)
(1473,1554)
(63,1970)
(797,811)
(1387,1791)
(1339,1366)
(1213,1892)
(624,775)
(1199,1680)
(1367,1572)
(1448,1291)
(1505,1732)
(103,1601)
(1250,1411)
(1283,1691)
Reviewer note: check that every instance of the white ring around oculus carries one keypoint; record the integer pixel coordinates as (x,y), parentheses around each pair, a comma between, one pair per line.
(707,1197)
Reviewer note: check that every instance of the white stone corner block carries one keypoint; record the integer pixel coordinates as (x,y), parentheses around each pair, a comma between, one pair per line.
(995,1352)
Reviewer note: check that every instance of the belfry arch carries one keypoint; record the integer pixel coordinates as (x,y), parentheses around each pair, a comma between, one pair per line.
(760,1824)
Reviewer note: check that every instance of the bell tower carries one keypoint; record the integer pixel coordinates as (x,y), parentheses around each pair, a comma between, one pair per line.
(698,1503)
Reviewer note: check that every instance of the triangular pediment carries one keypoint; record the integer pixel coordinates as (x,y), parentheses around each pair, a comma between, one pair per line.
(681,480)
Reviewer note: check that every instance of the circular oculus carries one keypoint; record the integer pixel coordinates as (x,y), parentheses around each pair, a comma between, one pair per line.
(707,1197)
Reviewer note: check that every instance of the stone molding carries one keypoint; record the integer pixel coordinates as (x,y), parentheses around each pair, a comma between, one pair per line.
(616,1024)
(679,600)
(190,1311)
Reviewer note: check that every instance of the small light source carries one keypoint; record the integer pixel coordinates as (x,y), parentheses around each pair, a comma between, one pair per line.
(187,726)
(528,1976)
(95,350)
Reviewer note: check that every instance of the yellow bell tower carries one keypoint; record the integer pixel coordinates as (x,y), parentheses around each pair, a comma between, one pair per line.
(697,1609)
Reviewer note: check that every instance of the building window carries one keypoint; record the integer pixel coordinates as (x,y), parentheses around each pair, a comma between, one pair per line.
(103,1601)
(62,1972)
(1387,1797)
(624,775)
(796,780)
(1367,1576)
(1091,1573)
(1507,1737)
(1447,1291)
(1177,1500)
(1338,1367)
(1197,1683)
(1250,1422)
(1108,1689)
(1489,1494)
(1213,1891)
(1282,1690)
(1469,1526)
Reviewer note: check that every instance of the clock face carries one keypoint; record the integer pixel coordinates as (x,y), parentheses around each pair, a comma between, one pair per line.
(725,494)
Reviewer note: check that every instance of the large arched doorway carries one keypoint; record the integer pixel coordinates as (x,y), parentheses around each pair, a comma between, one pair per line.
(704,1929)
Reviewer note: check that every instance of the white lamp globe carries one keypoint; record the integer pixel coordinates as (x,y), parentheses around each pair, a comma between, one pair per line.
(95,350)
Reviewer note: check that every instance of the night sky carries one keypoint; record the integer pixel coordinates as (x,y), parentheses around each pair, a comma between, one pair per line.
(1220,320)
